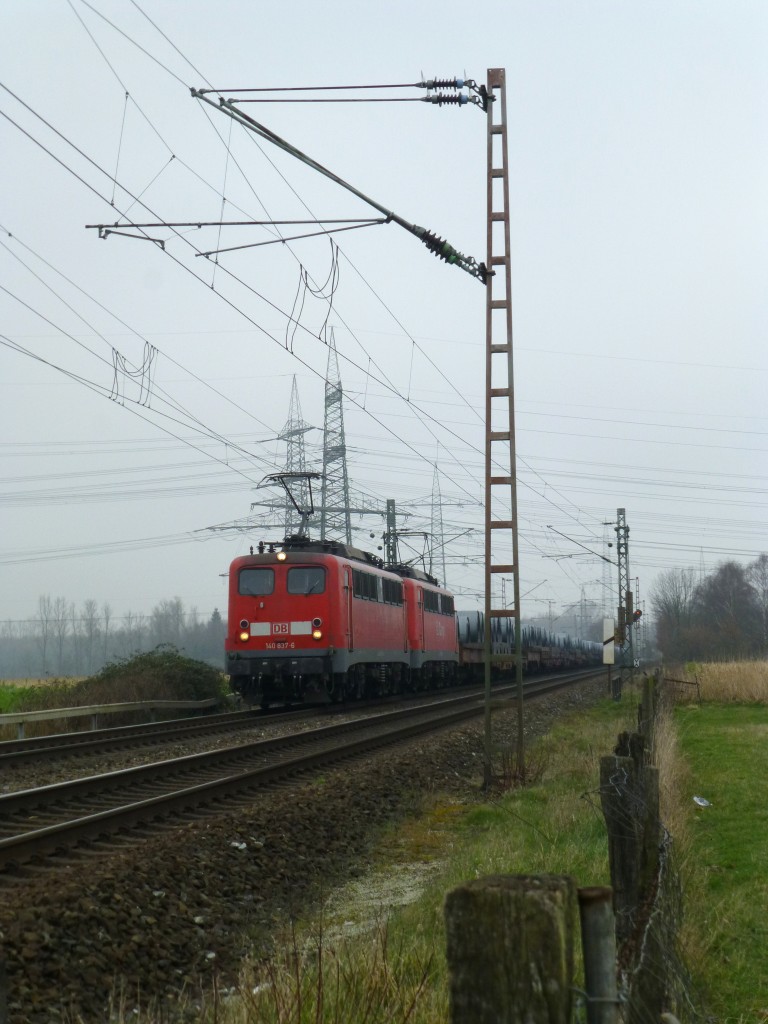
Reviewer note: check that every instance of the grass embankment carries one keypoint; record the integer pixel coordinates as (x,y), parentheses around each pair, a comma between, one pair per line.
(725,745)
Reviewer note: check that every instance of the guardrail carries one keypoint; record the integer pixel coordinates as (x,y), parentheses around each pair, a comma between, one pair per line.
(20,718)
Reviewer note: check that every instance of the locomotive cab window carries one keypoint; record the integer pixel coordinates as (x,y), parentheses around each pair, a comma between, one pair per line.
(306,579)
(256,582)
(365,585)
(392,591)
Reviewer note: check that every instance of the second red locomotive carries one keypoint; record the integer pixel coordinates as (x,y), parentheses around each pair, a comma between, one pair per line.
(310,617)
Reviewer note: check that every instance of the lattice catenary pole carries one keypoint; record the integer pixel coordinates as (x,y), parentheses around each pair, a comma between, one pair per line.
(624,628)
(501,525)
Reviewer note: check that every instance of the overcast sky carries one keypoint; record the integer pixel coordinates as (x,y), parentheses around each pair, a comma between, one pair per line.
(639,165)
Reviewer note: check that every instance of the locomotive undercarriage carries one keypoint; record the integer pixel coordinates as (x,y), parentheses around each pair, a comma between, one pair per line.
(296,680)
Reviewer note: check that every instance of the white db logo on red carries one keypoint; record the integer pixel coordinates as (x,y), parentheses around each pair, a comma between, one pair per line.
(279,627)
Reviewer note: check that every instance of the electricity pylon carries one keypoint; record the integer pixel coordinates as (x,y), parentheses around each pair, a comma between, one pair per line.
(335,519)
(437,549)
(295,461)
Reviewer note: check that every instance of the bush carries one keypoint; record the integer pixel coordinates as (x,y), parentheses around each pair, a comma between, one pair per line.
(161,674)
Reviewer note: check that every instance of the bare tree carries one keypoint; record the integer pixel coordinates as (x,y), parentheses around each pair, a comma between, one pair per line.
(90,619)
(757,574)
(77,639)
(106,613)
(43,636)
(672,600)
(60,616)
(167,623)
(727,613)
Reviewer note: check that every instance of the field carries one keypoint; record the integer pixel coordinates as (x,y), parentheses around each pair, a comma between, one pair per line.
(724,746)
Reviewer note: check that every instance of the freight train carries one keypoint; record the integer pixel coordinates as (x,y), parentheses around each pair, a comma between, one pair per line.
(322,619)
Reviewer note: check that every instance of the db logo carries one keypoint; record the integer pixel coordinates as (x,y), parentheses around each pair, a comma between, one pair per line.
(280,627)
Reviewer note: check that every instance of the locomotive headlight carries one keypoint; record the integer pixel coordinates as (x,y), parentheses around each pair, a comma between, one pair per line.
(317,634)
(244,636)
(281,556)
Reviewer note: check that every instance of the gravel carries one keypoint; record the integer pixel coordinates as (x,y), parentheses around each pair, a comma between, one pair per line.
(186,906)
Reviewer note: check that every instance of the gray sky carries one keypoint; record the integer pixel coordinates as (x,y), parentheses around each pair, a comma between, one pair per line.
(639,164)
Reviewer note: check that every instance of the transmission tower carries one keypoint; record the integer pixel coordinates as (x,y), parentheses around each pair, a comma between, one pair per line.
(295,461)
(335,519)
(437,550)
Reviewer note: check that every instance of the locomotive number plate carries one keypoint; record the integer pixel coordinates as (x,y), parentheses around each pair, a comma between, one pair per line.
(279,645)
(279,628)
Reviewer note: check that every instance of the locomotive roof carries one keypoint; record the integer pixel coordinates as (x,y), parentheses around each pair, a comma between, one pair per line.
(336,547)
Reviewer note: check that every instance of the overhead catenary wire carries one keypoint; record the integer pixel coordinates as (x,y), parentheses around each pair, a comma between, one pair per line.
(228,301)
(445,83)
(134,332)
(178,262)
(172,403)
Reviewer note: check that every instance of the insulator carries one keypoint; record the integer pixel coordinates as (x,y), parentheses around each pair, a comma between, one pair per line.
(444,250)
(443,83)
(440,98)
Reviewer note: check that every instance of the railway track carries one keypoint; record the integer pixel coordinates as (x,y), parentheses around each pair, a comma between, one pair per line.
(124,737)
(38,749)
(46,825)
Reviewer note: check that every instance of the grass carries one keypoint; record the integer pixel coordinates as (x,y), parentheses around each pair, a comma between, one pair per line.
(726,747)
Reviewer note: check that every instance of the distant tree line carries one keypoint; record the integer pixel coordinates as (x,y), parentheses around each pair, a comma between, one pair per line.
(719,617)
(63,640)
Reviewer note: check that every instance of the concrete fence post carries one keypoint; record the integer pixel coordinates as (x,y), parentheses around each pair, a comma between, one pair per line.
(510,949)
(4,1019)
(598,942)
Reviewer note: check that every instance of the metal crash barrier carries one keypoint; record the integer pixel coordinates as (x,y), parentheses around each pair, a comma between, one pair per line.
(20,718)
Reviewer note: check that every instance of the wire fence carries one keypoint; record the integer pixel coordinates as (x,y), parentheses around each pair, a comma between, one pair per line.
(629,934)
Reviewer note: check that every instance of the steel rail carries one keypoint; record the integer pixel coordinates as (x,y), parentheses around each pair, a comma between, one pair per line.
(58,745)
(377,731)
(20,848)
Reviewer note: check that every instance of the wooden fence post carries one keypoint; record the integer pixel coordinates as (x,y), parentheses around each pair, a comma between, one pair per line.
(510,949)
(629,794)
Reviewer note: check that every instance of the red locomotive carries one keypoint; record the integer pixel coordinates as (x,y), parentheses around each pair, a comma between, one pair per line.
(320,617)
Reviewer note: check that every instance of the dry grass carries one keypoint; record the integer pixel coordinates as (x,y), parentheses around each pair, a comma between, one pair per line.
(673,774)
(46,681)
(744,682)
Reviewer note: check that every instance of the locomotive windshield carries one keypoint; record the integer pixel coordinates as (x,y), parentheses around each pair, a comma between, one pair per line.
(256,582)
(306,579)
